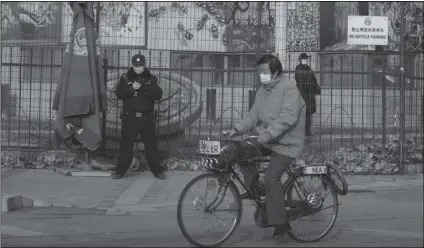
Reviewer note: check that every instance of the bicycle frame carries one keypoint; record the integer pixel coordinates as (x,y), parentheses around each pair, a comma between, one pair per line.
(229,173)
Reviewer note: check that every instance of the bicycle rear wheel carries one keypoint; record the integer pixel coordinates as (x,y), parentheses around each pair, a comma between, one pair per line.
(209,205)
(305,205)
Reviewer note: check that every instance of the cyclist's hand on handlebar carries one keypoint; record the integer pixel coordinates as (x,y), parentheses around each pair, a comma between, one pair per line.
(264,138)
(231,133)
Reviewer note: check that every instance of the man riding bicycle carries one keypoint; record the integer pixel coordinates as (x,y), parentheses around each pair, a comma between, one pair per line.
(278,114)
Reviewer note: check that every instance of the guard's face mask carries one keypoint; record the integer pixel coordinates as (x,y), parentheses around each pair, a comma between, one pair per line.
(138,69)
(304,61)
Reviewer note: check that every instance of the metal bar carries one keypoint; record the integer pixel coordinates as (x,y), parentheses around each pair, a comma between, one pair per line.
(231,80)
(201,97)
(259,36)
(190,97)
(331,102)
(180,137)
(243,86)
(321,58)
(10,97)
(18,100)
(341,100)
(352,124)
(104,117)
(30,93)
(384,106)
(168,142)
(362,97)
(402,87)
(40,102)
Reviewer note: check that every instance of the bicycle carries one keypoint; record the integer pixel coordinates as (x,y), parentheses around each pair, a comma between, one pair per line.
(220,170)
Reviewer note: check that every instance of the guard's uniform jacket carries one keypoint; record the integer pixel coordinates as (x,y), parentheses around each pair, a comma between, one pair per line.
(142,100)
(138,118)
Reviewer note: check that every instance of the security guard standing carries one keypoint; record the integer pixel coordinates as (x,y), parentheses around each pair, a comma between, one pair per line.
(139,89)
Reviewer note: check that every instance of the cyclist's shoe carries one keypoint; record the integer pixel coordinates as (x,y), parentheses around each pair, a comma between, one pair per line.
(280,230)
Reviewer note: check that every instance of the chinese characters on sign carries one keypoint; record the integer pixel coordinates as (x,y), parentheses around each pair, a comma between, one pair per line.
(368,30)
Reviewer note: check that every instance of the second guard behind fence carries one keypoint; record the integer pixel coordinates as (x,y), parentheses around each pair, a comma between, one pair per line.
(139,89)
(308,87)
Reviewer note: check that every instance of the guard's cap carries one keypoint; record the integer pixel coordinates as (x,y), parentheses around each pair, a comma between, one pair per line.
(304,56)
(138,60)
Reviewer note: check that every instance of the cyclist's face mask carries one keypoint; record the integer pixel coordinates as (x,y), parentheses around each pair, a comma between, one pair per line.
(265,74)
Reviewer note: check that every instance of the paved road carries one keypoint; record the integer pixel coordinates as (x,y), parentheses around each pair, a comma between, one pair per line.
(387,217)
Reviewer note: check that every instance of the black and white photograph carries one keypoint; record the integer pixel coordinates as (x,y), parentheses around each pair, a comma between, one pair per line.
(212,124)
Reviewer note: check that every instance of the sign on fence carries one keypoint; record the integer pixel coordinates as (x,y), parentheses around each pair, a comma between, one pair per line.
(368,30)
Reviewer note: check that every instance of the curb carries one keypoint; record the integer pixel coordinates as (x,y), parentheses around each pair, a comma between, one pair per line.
(84,173)
(15,202)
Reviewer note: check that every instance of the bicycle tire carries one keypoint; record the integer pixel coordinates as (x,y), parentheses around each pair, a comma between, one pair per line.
(238,200)
(345,188)
(330,184)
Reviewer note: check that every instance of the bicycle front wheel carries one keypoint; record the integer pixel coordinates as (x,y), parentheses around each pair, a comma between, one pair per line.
(215,205)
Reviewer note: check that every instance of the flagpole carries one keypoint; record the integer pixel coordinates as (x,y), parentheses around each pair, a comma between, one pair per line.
(88,153)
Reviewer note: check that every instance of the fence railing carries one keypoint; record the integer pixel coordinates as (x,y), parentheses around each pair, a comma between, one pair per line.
(205,93)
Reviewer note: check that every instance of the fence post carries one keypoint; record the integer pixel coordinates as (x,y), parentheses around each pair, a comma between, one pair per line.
(252,94)
(402,88)
(210,104)
(259,38)
(382,79)
(103,144)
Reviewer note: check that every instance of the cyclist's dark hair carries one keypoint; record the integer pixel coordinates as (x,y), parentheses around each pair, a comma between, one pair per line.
(274,63)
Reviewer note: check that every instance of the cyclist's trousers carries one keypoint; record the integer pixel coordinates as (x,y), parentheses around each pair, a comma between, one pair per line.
(275,207)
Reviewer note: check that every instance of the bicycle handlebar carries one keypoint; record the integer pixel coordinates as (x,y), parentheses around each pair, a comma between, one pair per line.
(227,133)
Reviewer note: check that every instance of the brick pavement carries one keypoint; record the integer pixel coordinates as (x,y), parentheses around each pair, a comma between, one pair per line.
(56,189)
(164,194)
(136,192)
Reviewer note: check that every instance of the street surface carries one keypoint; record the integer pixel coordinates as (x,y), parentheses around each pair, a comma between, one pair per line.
(383,216)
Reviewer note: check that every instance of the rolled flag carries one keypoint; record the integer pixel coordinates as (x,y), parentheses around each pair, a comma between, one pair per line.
(80,95)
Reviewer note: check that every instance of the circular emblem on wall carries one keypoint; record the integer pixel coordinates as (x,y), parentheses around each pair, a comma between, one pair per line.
(179,107)
(367,21)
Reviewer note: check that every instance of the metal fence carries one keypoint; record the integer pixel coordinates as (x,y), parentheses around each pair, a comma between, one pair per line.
(363,99)
(205,93)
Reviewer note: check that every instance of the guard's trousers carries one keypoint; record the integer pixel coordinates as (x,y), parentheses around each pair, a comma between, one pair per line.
(134,124)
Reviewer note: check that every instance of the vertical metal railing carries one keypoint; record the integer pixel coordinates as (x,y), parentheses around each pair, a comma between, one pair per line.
(402,88)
